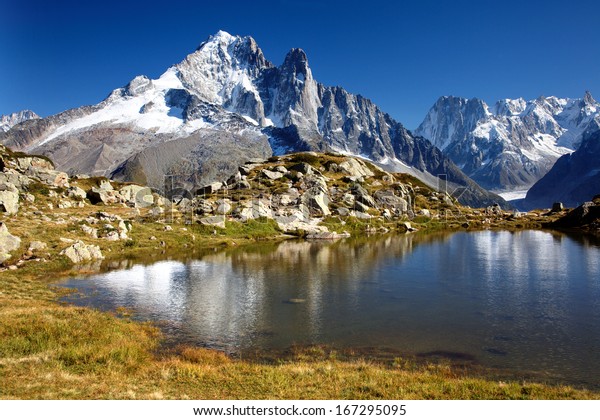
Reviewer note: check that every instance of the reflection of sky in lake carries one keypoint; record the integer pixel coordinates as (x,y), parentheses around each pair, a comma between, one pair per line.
(523,300)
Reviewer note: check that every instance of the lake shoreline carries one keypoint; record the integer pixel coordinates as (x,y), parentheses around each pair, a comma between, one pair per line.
(145,339)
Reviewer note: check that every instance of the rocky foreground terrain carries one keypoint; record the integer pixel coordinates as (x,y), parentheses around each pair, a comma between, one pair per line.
(47,215)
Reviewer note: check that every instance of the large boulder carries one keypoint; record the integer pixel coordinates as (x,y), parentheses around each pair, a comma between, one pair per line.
(9,199)
(362,196)
(104,193)
(21,182)
(355,168)
(216,221)
(8,243)
(80,252)
(317,200)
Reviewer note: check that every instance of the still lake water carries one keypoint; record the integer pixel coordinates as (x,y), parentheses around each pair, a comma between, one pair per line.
(526,301)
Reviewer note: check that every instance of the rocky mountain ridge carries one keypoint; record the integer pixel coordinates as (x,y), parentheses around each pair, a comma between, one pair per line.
(222,105)
(312,195)
(512,144)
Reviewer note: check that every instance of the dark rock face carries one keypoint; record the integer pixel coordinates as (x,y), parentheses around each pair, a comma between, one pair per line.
(573,179)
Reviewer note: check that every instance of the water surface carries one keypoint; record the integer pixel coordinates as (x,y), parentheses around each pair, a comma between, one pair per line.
(525,301)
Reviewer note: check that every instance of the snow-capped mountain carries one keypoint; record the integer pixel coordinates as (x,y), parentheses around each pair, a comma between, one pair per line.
(512,144)
(574,178)
(8,121)
(223,104)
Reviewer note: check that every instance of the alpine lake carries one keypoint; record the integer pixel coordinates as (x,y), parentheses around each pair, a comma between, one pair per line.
(525,302)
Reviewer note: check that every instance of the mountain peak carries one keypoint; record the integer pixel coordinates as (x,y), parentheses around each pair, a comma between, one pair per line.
(296,62)
(588,98)
(7,121)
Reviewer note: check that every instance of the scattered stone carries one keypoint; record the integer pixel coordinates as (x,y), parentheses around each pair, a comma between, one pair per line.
(90,231)
(425,213)
(168,228)
(35,246)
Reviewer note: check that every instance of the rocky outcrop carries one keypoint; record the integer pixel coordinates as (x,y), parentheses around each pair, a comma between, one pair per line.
(8,243)
(586,215)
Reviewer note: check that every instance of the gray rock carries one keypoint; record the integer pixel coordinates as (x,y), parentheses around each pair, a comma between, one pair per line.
(557,207)
(217,221)
(360,215)
(210,188)
(76,193)
(104,194)
(9,199)
(363,196)
(35,246)
(223,206)
(8,243)
(80,252)
(317,201)
(21,182)
(137,196)
(343,211)
(185,205)
(272,175)
(202,206)
(355,168)
(90,231)
(424,212)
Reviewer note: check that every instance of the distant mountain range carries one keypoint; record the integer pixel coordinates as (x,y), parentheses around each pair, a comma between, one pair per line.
(8,121)
(512,144)
(574,178)
(222,105)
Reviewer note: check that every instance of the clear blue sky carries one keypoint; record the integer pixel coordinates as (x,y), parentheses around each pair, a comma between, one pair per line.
(403,55)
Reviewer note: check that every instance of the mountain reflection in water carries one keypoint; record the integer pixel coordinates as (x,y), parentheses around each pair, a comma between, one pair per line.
(527,300)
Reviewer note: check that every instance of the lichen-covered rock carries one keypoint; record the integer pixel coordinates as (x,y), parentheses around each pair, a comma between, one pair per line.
(355,168)
(9,199)
(80,252)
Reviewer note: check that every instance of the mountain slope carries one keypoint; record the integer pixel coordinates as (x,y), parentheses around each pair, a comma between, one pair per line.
(574,178)
(226,89)
(512,144)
